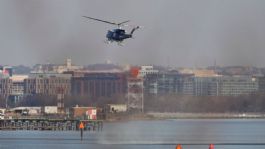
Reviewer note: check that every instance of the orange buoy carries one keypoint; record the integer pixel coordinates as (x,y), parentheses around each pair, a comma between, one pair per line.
(211,146)
(178,146)
(81,126)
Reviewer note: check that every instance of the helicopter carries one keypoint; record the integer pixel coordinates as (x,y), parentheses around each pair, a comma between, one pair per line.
(116,35)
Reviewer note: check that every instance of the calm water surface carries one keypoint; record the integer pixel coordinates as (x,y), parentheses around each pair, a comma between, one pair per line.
(194,134)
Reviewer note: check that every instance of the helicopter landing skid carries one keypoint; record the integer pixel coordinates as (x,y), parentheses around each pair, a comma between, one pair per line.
(107,41)
(120,43)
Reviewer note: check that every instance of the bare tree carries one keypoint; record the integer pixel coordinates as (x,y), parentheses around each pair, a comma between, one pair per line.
(180,103)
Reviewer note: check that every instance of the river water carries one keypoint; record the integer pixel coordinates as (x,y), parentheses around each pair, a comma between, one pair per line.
(164,134)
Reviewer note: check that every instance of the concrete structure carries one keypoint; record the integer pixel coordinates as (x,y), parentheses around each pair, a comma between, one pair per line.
(186,84)
(98,84)
(116,108)
(5,87)
(162,83)
(54,68)
(237,85)
(261,83)
(91,114)
(224,85)
(204,73)
(43,68)
(135,94)
(17,91)
(202,83)
(2,110)
(6,71)
(84,112)
(27,110)
(68,66)
(40,124)
(50,110)
(206,86)
(170,82)
(48,84)
(2,113)
(145,70)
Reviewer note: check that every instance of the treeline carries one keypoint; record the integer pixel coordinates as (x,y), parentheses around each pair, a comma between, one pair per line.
(162,103)
(69,101)
(2,102)
(215,104)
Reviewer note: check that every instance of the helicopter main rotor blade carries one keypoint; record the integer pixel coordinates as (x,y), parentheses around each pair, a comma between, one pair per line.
(123,22)
(102,20)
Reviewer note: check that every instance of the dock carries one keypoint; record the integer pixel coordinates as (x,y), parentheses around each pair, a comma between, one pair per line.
(50,124)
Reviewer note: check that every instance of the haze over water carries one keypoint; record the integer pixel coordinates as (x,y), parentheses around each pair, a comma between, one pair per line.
(178,33)
(194,134)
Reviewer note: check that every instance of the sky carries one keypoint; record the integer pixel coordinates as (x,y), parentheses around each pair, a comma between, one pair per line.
(178,33)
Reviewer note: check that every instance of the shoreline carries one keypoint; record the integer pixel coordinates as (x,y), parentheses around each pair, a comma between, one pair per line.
(168,115)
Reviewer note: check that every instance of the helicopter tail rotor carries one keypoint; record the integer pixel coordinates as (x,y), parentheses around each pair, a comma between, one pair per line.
(135,28)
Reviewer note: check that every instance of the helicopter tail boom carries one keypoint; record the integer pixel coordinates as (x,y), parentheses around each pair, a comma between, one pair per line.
(135,28)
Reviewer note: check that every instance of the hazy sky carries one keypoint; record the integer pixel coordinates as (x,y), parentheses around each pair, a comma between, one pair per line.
(191,33)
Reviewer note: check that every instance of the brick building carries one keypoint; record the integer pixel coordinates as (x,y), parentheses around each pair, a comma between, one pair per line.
(5,87)
(48,84)
(98,84)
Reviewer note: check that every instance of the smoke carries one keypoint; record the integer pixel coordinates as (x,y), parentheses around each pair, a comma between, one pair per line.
(176,32)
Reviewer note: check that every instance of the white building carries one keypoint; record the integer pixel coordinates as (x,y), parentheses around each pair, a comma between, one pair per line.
(147,70)
(68,66)
(237,85)
(28,110)
(6,71)
(54,68)
(50,109)
(116,108)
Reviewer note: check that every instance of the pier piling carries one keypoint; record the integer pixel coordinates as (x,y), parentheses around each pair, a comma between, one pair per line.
(49,124)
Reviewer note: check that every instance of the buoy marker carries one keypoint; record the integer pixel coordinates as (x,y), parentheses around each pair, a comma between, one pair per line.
(211,146)
(81,127)
(178,146)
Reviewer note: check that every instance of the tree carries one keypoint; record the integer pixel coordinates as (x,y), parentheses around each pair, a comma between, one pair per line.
(2,102)
(38,100)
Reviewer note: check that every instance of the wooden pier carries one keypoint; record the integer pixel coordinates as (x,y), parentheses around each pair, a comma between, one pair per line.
(50,124)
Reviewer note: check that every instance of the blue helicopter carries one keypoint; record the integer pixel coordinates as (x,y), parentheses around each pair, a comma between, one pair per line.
(119,34)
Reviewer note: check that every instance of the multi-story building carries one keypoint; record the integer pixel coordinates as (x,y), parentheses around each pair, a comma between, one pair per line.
(164,83)
(237,85)
(17,91)
(224,85)
(5,87)
(98,84)
(206,86)
(55,68)
(6,71)
(201,83)
(135,94)
(261,83)
(68,66)
(145,70)
(48,84)
(186,84)
(205,82)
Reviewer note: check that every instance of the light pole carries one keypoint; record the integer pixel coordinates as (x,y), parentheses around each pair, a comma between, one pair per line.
(6,103)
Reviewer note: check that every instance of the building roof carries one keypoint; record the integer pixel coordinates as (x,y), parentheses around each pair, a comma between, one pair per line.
(204,73)
(19,78)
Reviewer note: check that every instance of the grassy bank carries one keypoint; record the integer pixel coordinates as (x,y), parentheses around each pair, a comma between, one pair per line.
(156,115)
(162,116)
